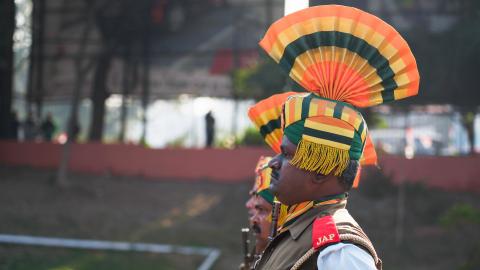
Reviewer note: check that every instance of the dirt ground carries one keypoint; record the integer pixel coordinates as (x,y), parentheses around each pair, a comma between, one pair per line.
(204,213)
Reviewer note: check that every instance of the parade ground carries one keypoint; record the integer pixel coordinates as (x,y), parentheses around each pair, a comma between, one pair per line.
(438,231)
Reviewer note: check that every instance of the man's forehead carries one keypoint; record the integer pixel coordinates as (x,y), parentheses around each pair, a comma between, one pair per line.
(261,202)
(287,144)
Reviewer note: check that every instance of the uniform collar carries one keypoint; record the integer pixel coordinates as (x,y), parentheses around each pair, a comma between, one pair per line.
(301,224)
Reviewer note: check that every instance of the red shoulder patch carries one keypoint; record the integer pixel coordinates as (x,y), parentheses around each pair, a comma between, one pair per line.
(324,232)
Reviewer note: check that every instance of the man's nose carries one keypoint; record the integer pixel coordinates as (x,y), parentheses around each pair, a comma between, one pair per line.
(254,218)
(276,162)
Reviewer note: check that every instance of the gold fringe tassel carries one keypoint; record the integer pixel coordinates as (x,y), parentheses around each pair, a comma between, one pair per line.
(320,158)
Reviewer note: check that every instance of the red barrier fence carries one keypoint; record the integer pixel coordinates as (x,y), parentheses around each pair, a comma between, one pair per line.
(453,173)
(130,160)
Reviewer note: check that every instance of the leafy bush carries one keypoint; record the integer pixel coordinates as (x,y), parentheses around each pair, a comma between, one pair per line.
(460,214)
(251,137)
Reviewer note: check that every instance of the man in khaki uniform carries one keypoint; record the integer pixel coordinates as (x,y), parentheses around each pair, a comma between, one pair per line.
(259,206)
(346,58)
(318,231)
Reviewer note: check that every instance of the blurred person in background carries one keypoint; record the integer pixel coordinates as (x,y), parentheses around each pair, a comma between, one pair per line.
(210,129)
(13,128)
(29,128)
(48,128)
(76,131)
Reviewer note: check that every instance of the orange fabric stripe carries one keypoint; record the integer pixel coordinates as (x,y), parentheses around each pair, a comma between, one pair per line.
(390,34)
(329,69)
(331,121)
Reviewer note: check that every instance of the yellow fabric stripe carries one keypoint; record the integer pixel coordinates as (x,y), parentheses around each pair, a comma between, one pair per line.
(300,209)
(357,123)
(287,112)
(329,111)
(274,137)
(364,134)
(326,142)
(266,117)
(352,117)
(320,106)
(298,109)
(313,110)
(329,128)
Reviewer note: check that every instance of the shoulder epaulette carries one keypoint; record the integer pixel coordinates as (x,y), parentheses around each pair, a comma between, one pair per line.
(324,232)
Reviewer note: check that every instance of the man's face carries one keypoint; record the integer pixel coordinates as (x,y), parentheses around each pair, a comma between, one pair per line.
(288,182)
(250,205)
(261,223)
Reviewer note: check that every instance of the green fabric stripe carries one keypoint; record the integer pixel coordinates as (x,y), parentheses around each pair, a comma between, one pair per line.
(347,41)
(267,195)
(328,136)
(337,111)
(306,106)
(361,127)
(294,131)
(356,147)
(331,197)
(270,127)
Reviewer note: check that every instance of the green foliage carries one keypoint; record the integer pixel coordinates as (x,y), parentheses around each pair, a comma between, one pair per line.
(373,119)
(473,262)
(178,142)
(262,80)
(227,142)
(460,214)
(251,137)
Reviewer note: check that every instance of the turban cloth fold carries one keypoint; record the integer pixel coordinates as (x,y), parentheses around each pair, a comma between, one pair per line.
(328,133)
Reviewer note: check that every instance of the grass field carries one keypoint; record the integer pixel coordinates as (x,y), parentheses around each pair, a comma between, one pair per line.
(203,213)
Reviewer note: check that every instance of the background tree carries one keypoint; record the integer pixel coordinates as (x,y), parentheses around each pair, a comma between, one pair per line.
(7,27)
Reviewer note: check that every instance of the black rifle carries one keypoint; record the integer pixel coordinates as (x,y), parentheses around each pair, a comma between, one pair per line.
(247,255)
(275,214)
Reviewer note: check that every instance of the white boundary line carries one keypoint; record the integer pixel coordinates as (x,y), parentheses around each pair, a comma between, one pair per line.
(211,254)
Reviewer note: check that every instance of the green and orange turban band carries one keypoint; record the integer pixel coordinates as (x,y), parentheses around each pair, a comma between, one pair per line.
(328,133)
(345,58)
(263,175)
(262,184)
(266,115)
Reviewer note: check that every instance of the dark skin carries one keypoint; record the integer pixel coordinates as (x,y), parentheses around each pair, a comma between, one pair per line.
(260,220)
(292,185)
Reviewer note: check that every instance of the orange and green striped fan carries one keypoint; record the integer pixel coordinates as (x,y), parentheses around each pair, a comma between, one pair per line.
(345,54)
(266,116)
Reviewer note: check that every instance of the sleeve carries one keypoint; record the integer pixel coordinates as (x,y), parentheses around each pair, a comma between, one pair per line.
(345,256)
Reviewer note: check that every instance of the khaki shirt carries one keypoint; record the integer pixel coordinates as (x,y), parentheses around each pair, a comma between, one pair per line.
(289,246)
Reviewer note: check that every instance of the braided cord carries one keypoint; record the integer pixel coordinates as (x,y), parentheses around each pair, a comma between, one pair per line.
(303,259)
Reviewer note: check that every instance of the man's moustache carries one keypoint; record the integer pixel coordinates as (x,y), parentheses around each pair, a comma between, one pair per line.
(256,229)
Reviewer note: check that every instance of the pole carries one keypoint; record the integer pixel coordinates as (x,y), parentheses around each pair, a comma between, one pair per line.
(146,74)
(81,74)
(295,5)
